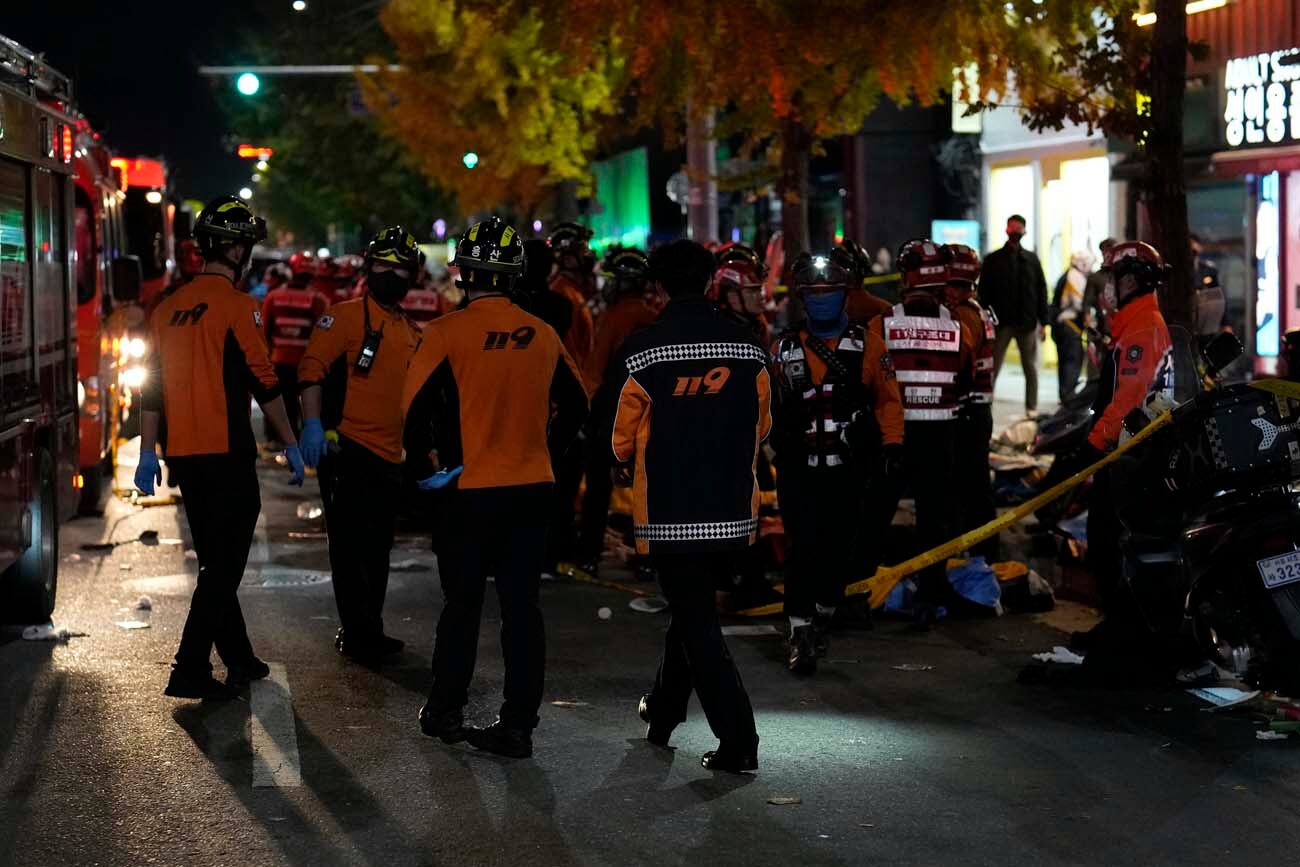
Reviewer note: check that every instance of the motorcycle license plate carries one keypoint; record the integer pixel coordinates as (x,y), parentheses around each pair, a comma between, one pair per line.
(1277,571)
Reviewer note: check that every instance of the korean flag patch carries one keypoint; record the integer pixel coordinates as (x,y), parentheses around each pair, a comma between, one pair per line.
(257,318)
(1134,354)
(325,323)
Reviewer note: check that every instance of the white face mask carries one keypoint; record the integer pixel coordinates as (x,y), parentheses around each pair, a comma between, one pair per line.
(1109,297)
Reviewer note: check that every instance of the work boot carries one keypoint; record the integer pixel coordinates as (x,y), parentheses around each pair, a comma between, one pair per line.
(201,686)
(242,674)
(502,740)
(803,651)
(367,649)
(448,725)
(655,733)
(735,761)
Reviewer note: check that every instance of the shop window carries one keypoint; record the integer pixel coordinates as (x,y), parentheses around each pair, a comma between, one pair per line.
(1011,191)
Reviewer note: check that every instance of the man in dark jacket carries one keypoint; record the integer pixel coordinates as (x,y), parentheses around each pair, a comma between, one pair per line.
(1014,287)
(704,381)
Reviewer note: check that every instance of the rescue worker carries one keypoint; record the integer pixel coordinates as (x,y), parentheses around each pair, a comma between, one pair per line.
(347,273)
(324,280)
(933,353)
(1137,370)
(693,408)
(302,267)
(207,352)
(424,302)
(973,484)
(532,291)
(628,291)
(737,288)
(287,317)
(367,342)
(861,305)
(838,417)
(491,396)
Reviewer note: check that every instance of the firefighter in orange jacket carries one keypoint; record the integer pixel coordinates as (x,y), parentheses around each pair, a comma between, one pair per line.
(837,417)
(368,342)
(861,306)
(933,355)
(975,503)
(208,351)
(491,397)
(287,316)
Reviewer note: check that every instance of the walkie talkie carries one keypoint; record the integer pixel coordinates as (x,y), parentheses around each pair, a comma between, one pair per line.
(369,346)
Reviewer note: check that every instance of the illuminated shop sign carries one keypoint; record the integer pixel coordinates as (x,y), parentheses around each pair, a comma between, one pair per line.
(1262,99)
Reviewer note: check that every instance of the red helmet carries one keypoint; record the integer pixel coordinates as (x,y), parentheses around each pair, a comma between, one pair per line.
(963,264)
(301,263)
(923,264)
(325,267)
(739,268)
(1136,258)
(1144,255)
(188,258)
(346,268)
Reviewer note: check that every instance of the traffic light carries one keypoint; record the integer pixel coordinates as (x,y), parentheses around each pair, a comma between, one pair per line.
(470,159)
(248,83)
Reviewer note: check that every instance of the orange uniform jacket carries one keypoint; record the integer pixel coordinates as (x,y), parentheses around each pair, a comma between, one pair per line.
(626,315)
(481,390)
(861,306)
(580,338)
(1139,350)
(287,317)
(372,413)
(208,355)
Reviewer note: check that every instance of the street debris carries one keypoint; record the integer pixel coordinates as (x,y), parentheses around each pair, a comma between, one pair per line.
(410,565)
(1271,736)
(912,666)
(1223,696)
(73,558)
(147,537)
(648,604)
(569,702)
(604,613)
(784,802)
(750,629)
(310,510)
(47,632)
(124,567)
(311,534)
(144,603)
(191,554)
(132,624)
(1063,655)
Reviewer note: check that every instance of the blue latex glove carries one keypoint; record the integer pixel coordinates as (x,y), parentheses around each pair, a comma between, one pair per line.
(439,480)
(295,465)
(147,471)
(312,442)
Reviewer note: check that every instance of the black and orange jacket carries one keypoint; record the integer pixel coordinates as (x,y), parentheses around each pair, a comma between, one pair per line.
(580,339)
(1140,351)
(207,356)
(372,415)
(694,405)
(492,389)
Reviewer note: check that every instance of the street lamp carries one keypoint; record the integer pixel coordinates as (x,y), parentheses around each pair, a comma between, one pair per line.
(248,84)
(470,159)
(245,193)
(262,165)
(299,5)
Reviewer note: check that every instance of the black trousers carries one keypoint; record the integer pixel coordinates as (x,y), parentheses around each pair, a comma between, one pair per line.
(928,448)
(1069,359)
(696,655)
(361,492)
(975,503)
(562,537)
(222,502)
(822,509)
(288,376)
(595,499)
(499,532)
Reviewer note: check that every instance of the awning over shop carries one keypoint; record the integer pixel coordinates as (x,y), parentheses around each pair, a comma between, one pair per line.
(1259,161)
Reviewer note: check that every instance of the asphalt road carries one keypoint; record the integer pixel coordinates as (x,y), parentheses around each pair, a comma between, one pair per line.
(956,764)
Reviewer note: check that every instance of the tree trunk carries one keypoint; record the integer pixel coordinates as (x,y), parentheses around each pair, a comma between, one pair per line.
(796,144)
(702,171)
(1167,190)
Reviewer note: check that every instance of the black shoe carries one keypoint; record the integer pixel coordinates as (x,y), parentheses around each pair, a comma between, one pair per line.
(735,761)
(448,726)
(655,733)
(367,649)
(821,635)
(803,651)
(245,673)
(201,686)
(501,739)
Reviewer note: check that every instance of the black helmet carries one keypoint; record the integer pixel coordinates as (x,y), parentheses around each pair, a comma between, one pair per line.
(570,242)
(821,272)
(567,235)
(226,221)
(396,246)
(627,272)
(851,256)
(490,256)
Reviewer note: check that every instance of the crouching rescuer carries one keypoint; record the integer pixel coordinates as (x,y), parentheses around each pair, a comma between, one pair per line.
(364,346)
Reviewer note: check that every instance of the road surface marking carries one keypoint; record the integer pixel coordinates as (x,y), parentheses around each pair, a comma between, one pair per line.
(275,741)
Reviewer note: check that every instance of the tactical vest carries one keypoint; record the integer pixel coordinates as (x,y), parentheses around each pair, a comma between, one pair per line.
(818,411)
(981,391)
(927,359)
(290,323)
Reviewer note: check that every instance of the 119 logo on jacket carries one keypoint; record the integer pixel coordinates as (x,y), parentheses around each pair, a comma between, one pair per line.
(710,383)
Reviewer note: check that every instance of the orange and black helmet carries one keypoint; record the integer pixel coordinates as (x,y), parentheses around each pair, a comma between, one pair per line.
(225,221)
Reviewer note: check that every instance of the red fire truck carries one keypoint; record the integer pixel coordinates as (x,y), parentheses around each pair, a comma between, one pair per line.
(39,462)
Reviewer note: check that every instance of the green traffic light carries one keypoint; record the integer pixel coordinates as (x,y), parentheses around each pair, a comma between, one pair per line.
(470,159)
(248,84)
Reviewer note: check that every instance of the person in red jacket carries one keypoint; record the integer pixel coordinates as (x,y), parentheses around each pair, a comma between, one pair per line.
(288,314)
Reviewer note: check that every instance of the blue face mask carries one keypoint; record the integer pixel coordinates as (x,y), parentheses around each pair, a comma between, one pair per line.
(826,307)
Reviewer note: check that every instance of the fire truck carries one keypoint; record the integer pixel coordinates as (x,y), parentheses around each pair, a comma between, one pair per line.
(39,459)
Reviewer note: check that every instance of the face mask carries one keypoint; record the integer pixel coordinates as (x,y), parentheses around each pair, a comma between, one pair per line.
(1015,237)
(825,307)
(1109,297)
(388,287)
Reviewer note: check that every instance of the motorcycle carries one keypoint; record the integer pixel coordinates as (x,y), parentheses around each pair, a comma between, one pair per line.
(1213,561)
